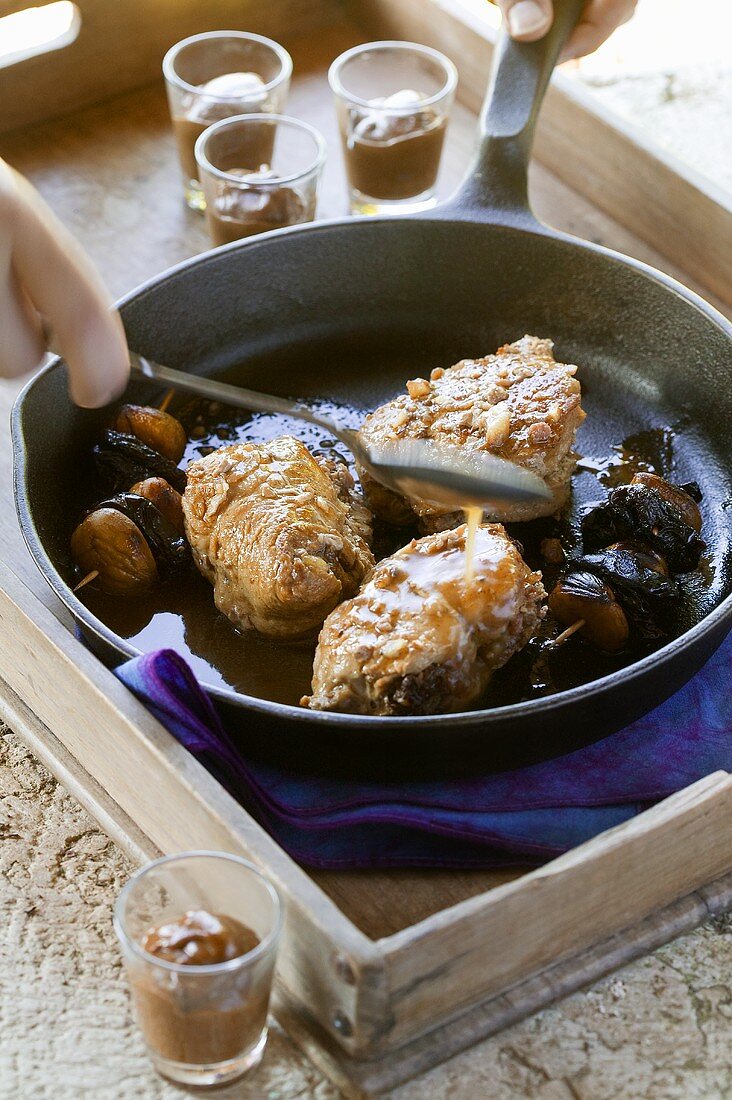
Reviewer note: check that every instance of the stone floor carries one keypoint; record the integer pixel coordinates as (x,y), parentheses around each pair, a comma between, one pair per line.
(660,1029)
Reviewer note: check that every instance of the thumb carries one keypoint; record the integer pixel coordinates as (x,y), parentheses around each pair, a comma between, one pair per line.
(527,20)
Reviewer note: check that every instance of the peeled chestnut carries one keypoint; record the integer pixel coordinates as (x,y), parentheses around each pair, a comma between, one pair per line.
(111,543)
(157,429)
(584,596)
(166,499)
(673,495)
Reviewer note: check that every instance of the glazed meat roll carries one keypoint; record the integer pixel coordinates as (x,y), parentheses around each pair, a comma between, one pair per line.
(421,637)
(519,404)
(282,536)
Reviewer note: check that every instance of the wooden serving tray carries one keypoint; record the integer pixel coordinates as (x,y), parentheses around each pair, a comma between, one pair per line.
(382,974)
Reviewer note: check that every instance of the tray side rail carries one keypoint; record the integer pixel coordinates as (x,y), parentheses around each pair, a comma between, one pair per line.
(120,46)
(326,962)
(481,947)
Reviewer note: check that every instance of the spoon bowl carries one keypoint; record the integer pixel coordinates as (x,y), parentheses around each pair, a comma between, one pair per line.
(438,473)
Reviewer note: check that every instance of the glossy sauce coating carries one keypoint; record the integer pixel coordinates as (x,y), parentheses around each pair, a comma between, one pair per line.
(185,617)
(421,637)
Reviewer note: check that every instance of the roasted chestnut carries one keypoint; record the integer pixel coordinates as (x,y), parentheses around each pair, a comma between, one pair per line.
(552,551)
(110,543)
(679,496)
(169,548)
(639,513)
(125,459)
(581,596)
(166,499)
(158,429)
(130,544)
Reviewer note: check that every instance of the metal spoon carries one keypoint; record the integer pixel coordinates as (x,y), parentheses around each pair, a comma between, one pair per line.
(439,473)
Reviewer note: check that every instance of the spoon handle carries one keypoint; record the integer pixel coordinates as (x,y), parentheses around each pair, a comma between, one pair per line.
(227,394)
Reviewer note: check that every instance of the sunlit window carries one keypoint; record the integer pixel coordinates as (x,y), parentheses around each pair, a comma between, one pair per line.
(37,30)
(668,72)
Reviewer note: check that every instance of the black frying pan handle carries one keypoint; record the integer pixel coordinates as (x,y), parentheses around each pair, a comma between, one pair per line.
(495,188)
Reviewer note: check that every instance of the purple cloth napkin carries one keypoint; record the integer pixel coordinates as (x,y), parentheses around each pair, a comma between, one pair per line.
(522,816)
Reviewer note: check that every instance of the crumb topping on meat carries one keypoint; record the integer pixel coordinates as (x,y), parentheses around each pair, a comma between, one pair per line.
(519,404)
(423,638)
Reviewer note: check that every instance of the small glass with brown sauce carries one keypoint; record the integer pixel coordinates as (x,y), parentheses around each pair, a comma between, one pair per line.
(213,76)
(393,101)
(245,194)
(199,934)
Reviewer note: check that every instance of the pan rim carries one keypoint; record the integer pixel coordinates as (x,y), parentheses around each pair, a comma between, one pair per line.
(463,719)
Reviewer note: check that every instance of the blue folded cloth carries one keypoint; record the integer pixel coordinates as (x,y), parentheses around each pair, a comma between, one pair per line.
(522,816)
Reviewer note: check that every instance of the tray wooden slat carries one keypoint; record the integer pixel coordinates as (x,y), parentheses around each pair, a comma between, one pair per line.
(522,927)
(369,1078)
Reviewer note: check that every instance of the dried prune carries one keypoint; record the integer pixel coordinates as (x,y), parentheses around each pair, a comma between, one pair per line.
(124,459)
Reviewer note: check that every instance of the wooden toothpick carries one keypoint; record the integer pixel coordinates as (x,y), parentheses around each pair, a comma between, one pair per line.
(566,634)
(87,579)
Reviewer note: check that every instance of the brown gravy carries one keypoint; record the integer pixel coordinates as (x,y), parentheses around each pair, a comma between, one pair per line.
(184,618)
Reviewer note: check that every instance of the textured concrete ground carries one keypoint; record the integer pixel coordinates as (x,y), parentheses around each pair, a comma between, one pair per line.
(660,1029)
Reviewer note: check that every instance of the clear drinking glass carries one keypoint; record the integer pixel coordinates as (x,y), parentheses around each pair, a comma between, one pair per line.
(203,1024)
(393,101)
(213,76)
(258,172)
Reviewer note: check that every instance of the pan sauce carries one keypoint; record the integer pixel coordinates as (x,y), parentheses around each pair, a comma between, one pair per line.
(184,616)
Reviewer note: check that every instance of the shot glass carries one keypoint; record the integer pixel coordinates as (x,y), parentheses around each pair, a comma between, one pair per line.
(258,172)
(203,1024)
(213,76)
(393,102)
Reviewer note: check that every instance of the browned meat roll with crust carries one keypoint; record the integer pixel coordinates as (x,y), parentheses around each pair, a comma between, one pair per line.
(518,404)
(422,638)
(282,536)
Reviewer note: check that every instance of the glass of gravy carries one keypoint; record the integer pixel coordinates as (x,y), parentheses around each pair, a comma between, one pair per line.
(199,934)
(393,101)
(213,76)
(258,172)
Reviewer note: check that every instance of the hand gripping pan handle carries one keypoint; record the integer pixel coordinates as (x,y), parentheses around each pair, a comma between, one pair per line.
(495,188)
